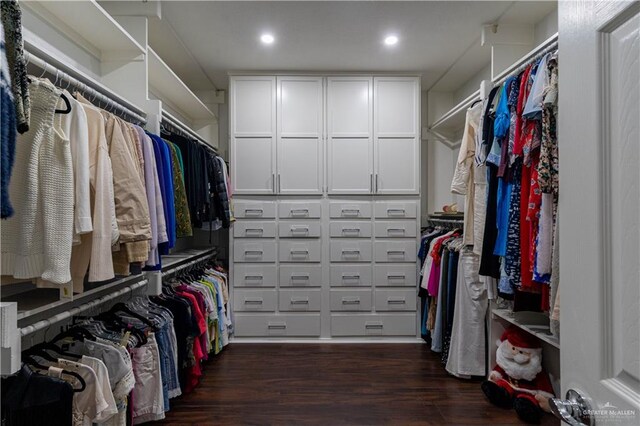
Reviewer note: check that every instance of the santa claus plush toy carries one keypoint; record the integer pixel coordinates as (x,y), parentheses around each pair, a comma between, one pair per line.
(518,381)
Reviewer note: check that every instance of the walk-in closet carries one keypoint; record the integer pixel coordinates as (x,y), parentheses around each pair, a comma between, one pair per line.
(320,212)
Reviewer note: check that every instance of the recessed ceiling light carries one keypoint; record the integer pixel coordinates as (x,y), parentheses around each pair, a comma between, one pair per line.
(390,40)
(267,38)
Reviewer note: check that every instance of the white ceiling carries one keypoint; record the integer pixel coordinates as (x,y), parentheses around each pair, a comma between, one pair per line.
(203,41)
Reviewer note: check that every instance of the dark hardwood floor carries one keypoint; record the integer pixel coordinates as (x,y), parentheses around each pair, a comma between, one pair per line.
(334,384)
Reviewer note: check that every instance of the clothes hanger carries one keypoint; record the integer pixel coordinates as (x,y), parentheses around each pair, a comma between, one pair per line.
(32,362)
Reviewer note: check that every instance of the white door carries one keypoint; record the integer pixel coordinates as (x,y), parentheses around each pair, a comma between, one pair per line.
(253,134)
(300,133)
(396,123)
(350,135)
(599,210)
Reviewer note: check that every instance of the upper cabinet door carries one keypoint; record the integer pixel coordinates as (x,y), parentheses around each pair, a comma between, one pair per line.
(397,107)
(253,106)
(300,107)
(350,107)
(300,130)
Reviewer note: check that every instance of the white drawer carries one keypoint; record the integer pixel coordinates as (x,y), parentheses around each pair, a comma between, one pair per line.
(291,325)
(351,300)
(344,250)
(350,209)
(299,300)
(392,275)
(291,229)
(350,229)
(292,275)
(245,250)
(300,251)
(344,275)
(373,325)
(396,251)
(396,300)
(246,275)
(254,300)
(396,228)
(299,209)
(254,229)
(254,209)
(396,209)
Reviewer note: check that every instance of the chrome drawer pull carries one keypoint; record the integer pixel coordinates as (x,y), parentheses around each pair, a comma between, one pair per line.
(254,230)
(374,326)
(351,230)
(254,212)
(395,252)
(350,301)
(300,277)
(304,230)
(276,326)
(299,252)
(253,302)
(300,301)
(253,252)
(396,277)
(396,211)
(253,277)
(351,277)
(396,301)
(351,252)
(350,212)
(396,230)
(300,212)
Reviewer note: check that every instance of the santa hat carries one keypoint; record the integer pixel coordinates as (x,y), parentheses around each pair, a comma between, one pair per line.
(519,338)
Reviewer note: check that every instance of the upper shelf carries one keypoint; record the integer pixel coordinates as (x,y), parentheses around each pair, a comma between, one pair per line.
(534,323)
(88,24)
(454,118)
(165,84)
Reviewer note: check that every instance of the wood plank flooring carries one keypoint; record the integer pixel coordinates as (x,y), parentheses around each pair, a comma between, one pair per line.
(334,384)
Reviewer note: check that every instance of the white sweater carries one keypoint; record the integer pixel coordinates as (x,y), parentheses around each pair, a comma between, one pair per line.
(36,241)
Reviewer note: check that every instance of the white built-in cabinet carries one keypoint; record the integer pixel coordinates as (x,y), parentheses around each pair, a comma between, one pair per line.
(326,197)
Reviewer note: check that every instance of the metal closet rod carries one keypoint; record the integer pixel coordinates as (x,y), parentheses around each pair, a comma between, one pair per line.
(81,86)
(177,269)
(40,325)
(547,46)
(178,125)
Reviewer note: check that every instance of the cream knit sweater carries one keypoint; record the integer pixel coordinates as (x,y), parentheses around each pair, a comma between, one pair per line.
(36,241)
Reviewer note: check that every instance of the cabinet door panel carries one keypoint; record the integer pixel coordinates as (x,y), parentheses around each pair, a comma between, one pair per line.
(299,166)
(350,166)
(252,165)
(397,166)
(349,106)
(253,106)
(300,107)
(396,106)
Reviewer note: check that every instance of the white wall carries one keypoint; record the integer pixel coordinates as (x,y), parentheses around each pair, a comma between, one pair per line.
(440,166)
(545,28)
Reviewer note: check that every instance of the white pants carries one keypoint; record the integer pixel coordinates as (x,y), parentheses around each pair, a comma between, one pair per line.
(467,347)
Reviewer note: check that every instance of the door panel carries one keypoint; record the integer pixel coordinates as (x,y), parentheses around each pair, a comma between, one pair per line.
(397,166)
(252,165)
(396,106)
(300,107)
(599,208)
(350,166)
(253,106)
(349,106)
(299,166)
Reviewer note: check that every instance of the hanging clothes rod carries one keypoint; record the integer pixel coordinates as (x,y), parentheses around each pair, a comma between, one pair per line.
(86,85)
(463,106)
(40,325)
(545,47)
(179,268)
(183,129)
